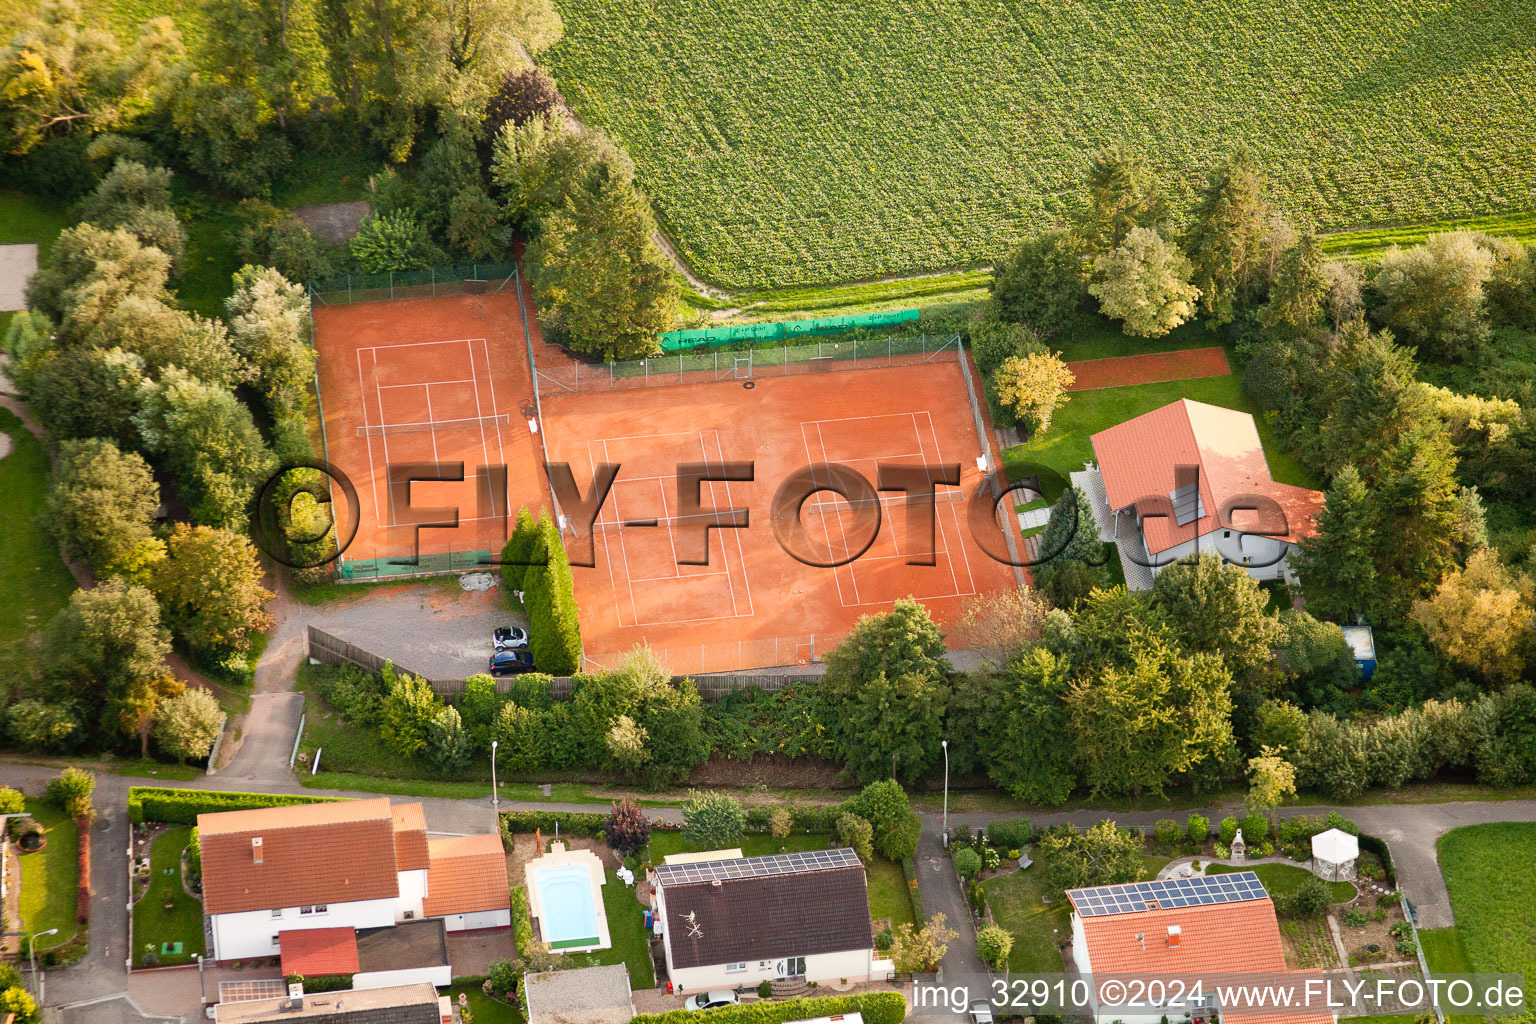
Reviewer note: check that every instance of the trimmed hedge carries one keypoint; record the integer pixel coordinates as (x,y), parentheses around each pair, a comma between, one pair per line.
(182,806)
(875,1007)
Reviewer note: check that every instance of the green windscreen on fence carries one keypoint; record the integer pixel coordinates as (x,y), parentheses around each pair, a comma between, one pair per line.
(673,341)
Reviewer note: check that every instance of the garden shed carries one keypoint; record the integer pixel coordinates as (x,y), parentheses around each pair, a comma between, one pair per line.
(1334,854)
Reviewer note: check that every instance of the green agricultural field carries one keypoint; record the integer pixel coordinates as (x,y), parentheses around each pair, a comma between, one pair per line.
(793,144)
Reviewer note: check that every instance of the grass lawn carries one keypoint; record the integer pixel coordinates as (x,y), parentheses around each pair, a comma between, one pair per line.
(1282,878)
(626,927)
(482,1007)
(1037,928)
(152,923)
(37,584)
(1490,871)
(1065,447)
(25,218)
(50,876)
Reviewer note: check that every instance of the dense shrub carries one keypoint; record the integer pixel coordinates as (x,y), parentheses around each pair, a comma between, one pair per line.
(874,1007)
(182,806)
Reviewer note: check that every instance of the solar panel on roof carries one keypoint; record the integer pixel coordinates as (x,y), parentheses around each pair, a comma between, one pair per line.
(1133,897)
(756,867)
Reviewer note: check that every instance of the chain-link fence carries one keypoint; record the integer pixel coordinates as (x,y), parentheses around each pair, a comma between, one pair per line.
(564,374)
(464,279)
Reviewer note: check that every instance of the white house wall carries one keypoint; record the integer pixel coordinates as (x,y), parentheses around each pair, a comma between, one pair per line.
(853,964)
(249,933)
(413,889)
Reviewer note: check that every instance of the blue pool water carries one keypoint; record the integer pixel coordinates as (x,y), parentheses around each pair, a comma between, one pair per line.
(567,902)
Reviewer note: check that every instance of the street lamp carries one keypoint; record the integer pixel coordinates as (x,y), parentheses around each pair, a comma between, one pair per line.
(32,952)
(945,745)
(202,989)
(495,793)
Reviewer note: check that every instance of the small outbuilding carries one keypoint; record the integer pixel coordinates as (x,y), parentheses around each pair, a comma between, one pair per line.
(1334,854)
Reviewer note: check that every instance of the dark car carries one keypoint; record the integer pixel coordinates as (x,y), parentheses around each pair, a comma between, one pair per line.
(511,663)
(508,638)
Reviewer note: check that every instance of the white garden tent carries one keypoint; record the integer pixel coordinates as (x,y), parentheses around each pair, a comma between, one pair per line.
(1334,854)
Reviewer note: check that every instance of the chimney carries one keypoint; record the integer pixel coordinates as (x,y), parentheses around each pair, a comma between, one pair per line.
(256,849)
(1175,936)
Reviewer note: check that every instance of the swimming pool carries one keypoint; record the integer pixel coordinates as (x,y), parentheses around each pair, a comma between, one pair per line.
(567,907)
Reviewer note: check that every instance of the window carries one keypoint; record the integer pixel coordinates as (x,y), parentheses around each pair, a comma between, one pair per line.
(736,968)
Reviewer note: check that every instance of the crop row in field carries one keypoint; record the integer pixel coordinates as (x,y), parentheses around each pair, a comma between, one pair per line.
(792,143)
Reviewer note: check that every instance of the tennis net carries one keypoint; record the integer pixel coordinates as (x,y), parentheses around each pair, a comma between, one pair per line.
(429,426)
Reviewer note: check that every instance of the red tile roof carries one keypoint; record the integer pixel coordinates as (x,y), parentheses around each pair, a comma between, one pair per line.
(1223,938)
(309,853)
(468,875)
(1137,459)
(313,952)
(410,837)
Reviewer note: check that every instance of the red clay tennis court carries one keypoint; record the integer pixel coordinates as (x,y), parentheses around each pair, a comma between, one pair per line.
(429,380)
(753,604)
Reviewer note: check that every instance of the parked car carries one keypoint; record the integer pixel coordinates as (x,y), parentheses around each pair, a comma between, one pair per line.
(981,1011)
(507,638)
(511,663)
(710,1000)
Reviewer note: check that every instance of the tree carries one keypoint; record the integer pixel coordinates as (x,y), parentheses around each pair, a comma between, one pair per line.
(405,717)
(1144,283)
(1032,388)
(1300,293)
(600,282)
(103,646)
(993,944)
(857,834)
(1139,726)
(1071,536)
(1434,293)
(1218,608)
(1337,563)
(891,726)
(1480,617)
(713,820)
(1103,855)
(70,791)
(523,95)
(918,951)
(999,626)
(1030,703)
(137,198)
(896,827)
(1123,195)
(57,76)
(208,440)
(628,829)
(103,502)
(1226,236)
(1271,778)
(268,316)
(1040,283)
(904,641)
(209,588)
(392,241)
(187,725)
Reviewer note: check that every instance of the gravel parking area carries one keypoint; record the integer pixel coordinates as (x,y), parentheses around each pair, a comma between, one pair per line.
(434,629)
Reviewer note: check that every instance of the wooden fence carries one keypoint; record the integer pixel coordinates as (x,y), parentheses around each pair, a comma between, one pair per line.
(332,650)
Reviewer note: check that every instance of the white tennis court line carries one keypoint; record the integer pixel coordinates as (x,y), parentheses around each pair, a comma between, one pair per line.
(666,512)
(473,379)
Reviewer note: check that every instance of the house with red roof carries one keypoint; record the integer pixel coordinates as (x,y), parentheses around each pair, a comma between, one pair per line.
(1219,928)
(322,884)
(1191,477)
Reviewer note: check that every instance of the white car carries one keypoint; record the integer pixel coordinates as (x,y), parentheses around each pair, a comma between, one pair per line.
(710,1000)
